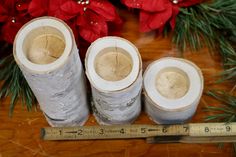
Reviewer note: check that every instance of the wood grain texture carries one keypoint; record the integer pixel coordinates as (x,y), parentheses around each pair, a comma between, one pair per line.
(19,135)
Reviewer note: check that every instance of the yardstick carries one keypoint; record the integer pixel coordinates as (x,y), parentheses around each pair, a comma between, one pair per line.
(185,133)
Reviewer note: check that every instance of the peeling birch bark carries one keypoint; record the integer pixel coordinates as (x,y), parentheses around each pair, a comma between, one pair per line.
(46,52)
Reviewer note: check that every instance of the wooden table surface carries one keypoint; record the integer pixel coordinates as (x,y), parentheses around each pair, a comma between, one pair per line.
(20,135)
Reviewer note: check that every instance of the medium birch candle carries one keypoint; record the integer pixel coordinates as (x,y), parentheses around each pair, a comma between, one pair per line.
(173,88)
(47,55)
(114,69)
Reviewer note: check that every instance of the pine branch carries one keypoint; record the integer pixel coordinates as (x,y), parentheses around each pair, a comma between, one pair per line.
(212,25)
(229,58)
(15,85)
(226,112)
(203,24)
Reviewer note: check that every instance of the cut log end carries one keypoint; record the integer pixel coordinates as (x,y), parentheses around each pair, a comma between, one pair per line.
(113,64)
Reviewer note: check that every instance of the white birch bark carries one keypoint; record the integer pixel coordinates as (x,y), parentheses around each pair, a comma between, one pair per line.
(169,107)
(115,101)
(58,86)
(121,107)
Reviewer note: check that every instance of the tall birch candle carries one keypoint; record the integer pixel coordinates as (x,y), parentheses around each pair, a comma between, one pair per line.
(46,52)
(114,69)
(173,88)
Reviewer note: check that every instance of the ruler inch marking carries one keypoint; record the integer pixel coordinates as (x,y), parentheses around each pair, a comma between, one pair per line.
(212,129)
(185,131)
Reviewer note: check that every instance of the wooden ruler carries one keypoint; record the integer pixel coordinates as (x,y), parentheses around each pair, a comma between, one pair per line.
(184,133)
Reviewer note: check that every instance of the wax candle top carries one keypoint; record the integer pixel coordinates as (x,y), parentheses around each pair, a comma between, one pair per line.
(172,83)
(113,64)
(45,49)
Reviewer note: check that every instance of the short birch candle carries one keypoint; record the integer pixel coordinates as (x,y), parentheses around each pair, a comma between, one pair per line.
(114,69)
(46,52)
(173,88)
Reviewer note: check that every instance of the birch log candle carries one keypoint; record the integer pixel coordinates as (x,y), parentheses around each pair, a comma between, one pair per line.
(46,53)
(113,67)
(173,88)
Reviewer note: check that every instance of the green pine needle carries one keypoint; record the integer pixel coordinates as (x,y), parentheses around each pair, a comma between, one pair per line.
(14,85)
(203,24)
(229,58)
(212,25)
(226,112)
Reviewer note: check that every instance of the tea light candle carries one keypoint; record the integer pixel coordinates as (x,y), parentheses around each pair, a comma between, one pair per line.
(172,88)
(113,67)
(47,55)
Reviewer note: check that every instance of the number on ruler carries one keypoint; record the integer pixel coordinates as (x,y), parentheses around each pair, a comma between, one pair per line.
(207,129)
(143,130)
(228,128)
(60,132)
(122,131)
(101,132)
(185,128)
(164,130)
(80,132)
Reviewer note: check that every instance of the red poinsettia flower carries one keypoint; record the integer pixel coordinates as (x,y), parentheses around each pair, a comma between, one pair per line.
(63,9)
(91,16)
(13,14)
(93,22)
(155,14)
